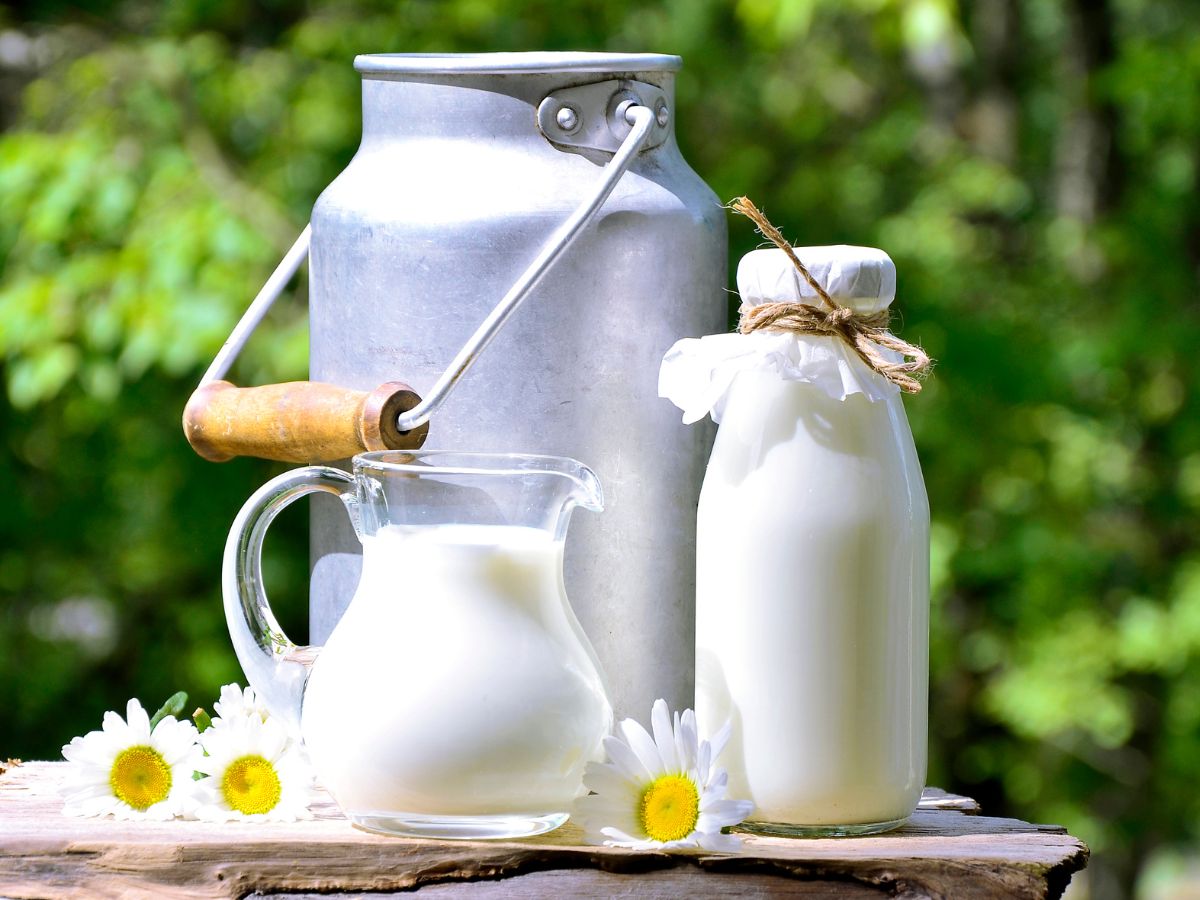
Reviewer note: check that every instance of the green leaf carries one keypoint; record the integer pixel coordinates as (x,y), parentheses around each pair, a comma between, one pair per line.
(173,707)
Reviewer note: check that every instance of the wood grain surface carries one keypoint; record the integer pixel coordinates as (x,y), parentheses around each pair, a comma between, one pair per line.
(944,851)
(298,421)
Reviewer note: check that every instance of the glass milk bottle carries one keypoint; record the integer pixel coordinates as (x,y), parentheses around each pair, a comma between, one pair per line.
(812,588)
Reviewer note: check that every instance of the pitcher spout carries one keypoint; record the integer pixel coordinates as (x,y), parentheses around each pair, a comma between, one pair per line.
(587,492)
(424,488)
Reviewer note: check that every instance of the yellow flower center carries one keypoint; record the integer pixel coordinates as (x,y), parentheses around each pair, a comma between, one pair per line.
(670,808)
(251,785)
(140,777)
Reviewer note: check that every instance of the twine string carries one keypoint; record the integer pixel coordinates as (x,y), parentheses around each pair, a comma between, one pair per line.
(864,333)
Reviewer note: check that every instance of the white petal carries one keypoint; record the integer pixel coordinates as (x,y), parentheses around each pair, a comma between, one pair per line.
(96,748)
(79,794)
(288,813)
(82,759)
(291,765)
(704,761)
(185,804)
(237,703)
(637,845)
(599,818)
(617,835)
(203,792)
(687,843)
(642,744)
(295,791)
(605,780)
(138,719)
(174,739)
(664,736)
(601,805)
(118,730)
(625,760)
(208,765)
(717,783)
(685,740)
(239,737)
(94,806)
(299,786)
(231,703)
(84,781)
(111,719)
(293,803)
(720,739)
(273,738)
(70,751)
(687,721)
(159,812)
(213,740)
(593,766)
(190,763)
(725,812)
(621,801)
(719,843)
(212,812)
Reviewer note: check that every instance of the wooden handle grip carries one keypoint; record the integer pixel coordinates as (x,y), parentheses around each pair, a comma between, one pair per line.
(298,421)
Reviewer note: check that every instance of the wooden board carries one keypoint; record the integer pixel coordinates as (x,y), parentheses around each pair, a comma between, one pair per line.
(944,851)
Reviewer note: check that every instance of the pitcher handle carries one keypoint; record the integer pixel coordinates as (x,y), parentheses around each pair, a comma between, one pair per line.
(275,667)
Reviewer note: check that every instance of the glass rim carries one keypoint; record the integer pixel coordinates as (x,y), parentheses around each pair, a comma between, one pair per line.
(465,462)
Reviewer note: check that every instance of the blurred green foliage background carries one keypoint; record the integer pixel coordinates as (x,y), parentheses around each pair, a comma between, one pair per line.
(1030,165)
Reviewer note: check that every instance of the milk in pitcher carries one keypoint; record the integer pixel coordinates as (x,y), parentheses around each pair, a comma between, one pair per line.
(465,629)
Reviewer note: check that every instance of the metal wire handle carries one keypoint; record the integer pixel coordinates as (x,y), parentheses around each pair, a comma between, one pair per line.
(642,121)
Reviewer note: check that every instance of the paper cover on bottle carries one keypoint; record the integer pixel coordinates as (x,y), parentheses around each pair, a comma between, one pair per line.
(697,373)
(863,278)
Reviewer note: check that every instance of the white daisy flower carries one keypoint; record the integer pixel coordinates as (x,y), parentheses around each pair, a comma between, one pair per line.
(255,773)
(662,793)
(130,771)
(236,703)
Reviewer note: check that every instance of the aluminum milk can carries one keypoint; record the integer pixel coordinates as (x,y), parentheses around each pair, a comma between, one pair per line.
(467,164)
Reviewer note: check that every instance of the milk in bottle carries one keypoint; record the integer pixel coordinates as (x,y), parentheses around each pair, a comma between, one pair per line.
(812,559)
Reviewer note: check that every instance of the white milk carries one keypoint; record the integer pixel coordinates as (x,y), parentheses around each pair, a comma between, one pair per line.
(457,682)
(812,603)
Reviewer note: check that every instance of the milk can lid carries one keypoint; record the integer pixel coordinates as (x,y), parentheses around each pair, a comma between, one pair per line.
(507,63)
(862,278)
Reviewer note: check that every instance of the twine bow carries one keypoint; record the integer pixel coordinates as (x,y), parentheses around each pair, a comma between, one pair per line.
(865,333)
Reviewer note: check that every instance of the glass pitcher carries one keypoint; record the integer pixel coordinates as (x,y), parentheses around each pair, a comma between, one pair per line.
(458,696)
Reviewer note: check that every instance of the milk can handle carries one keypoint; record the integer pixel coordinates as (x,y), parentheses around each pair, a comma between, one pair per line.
(275,667)
(409,421)
(641,119)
